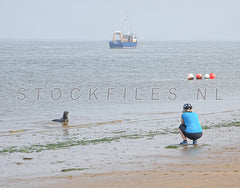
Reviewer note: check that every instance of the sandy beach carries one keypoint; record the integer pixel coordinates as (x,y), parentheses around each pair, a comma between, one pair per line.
(223,171)
(213,163)
(220,173)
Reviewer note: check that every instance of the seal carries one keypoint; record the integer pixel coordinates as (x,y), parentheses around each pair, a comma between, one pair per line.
(64,118)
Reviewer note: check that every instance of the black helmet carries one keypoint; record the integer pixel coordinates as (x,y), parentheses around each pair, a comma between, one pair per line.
(187,106)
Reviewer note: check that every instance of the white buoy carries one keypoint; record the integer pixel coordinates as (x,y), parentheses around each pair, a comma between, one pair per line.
(190,76)
(206,76)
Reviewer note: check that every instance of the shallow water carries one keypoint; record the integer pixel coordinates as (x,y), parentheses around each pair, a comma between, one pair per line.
(39,80)
(119,101)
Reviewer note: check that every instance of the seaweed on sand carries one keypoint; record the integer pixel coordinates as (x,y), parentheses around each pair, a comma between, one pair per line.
(72,169)
(171,147)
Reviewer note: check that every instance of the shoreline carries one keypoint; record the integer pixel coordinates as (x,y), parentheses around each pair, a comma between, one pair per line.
(215,164)
(222,171)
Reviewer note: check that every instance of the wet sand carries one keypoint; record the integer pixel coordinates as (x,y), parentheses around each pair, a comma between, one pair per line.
(213,165)
(223,174)
(123,154)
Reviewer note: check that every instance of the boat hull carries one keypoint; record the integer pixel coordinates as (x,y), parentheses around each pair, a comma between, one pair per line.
(122,44)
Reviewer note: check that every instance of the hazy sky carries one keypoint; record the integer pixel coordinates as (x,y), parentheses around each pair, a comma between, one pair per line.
(98,19)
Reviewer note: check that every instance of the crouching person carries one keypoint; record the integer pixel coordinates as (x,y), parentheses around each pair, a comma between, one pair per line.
(190,127)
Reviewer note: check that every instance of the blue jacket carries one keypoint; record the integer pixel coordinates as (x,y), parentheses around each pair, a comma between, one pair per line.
(192,122)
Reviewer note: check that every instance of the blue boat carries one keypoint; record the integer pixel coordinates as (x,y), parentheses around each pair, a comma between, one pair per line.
(128,40)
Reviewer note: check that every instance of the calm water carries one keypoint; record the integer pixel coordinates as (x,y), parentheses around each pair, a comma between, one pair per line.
(124,105)
(39,80)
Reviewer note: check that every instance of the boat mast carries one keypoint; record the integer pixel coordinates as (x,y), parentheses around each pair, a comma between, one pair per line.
(125,26)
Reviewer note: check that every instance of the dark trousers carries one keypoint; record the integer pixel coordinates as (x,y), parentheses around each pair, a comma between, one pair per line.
(191,136)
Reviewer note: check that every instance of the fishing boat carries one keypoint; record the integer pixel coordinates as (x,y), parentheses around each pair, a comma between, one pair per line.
(121,40)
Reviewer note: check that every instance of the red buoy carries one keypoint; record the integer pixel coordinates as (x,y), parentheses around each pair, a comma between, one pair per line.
(212,76)
(198,76)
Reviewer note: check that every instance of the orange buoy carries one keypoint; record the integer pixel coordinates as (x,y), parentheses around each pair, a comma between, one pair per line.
(199,76)
(212,76)
(190,76)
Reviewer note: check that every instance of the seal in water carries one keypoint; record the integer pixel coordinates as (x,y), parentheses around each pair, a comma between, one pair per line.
(64,118)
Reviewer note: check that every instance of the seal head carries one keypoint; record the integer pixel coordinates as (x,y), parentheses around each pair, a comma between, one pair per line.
(64,118)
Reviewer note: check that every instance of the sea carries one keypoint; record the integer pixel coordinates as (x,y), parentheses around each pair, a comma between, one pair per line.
(112,95)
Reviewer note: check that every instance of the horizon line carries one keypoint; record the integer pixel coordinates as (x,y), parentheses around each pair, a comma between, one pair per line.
(100,40)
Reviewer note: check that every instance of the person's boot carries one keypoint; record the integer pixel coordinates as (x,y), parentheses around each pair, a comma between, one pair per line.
(184,142)
(194,142)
